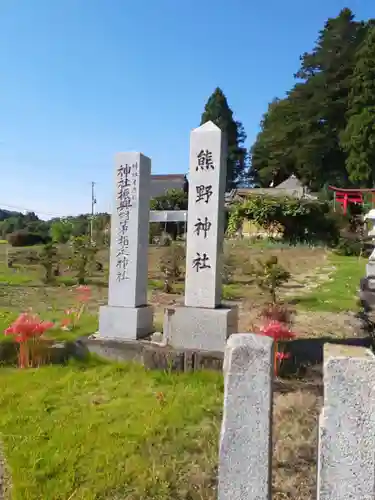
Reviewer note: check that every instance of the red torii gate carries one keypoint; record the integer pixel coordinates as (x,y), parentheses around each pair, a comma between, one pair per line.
(346,196)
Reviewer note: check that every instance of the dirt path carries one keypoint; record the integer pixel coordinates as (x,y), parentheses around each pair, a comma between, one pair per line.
(305,282)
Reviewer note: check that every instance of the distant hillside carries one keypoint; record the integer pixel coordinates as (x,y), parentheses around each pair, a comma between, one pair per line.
(22,229)
(7,214)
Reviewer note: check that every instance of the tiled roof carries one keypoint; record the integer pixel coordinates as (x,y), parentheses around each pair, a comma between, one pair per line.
(160,184)
(166,177)
(291,183)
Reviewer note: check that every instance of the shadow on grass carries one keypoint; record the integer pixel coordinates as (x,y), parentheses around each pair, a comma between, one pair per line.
(157,284)
(73,354)
(293,286)
(90,360)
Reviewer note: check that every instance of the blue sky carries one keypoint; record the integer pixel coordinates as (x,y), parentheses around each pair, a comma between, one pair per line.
(84,79)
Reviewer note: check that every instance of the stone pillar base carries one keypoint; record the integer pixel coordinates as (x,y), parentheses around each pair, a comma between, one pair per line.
(125,323)
(199,328)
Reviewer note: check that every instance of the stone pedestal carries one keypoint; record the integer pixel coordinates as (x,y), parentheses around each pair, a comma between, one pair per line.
(125,323)
(199,328)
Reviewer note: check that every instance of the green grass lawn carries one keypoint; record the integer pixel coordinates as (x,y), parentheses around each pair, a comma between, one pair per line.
(340,292)
(87,326)
(106,431)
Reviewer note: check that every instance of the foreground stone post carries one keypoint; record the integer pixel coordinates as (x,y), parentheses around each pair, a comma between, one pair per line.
(346,452)
(245,457)
(204,323)
(370,218)
(127,315)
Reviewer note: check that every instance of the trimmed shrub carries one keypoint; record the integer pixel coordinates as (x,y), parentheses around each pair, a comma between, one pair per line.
(24,238)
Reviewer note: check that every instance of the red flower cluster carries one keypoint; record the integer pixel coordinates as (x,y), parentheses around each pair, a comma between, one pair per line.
(67,321)
(27,329)
(276,330)
(282,355)
(28,326)
(83,295)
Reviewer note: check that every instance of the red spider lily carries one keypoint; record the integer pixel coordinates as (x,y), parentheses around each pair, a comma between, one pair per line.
(68,320)
(282,355)
(278,331)
(27,327)
(83,295)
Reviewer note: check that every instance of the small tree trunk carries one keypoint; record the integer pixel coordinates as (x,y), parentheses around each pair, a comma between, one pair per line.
(48,275)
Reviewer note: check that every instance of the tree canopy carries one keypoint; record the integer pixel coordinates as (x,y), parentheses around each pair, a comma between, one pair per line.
(358,138)
(309,133)
(218,111)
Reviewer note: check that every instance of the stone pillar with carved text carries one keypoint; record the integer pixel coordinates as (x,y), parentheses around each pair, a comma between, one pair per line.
(207,177)
(204,323)
(127,315)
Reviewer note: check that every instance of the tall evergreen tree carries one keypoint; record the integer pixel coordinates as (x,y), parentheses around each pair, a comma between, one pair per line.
(358,139)
(273,153)
(218,111)
(301,134)
(327,73)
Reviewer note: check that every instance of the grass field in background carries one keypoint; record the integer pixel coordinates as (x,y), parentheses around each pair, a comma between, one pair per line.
(340,292)
(22,286)
(321,282)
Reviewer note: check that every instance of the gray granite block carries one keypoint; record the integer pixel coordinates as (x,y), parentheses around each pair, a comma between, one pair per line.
(125,323)
(346,454)
(245,456)
(199,328)
(370,268)
(153,356)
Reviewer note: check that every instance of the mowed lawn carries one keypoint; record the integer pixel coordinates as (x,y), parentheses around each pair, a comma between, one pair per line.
(110,431)
(105,431)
